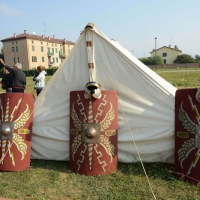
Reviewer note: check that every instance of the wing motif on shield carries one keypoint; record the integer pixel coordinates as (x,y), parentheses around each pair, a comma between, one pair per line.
(22,119)
(188,145)
(77,122)
(106,122)
(186,148)
(187,123)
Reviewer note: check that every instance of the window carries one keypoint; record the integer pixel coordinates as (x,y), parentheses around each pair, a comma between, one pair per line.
(18,59)
(52,50)
(16,48)
(164,54)
(33,48)
(47,44)
(16,42)
(57,60)
(41,43)
(42,59)
(12,43)
(32,42)
(52,45)
(13,49)
(42,49)
(48,49)
(56,50)
(55,45)
(14,60)
(34,59)
(53,60)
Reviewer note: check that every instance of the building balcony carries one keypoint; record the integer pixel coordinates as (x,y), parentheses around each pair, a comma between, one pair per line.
(50,54)
(62,55)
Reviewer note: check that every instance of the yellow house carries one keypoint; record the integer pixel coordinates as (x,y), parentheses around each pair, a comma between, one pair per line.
(168,54)
(33,50)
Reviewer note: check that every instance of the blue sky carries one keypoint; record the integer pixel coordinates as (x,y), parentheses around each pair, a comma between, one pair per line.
(134,24)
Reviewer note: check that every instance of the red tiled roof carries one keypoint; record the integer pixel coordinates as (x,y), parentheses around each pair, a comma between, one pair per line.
(37,37)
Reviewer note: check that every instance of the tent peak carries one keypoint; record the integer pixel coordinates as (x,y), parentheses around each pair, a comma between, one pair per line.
(90,25)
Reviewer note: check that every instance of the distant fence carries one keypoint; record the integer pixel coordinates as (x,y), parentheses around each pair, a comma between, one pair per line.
(175,66)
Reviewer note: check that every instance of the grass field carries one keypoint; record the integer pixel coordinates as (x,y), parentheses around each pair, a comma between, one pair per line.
(53,180)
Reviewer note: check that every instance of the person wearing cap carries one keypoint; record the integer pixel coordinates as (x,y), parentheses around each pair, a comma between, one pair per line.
(19,77)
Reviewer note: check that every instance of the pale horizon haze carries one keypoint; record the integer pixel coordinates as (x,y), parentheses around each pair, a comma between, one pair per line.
(134,24)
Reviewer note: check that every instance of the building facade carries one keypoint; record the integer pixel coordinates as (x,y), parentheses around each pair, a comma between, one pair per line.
(33,50)
(168,54)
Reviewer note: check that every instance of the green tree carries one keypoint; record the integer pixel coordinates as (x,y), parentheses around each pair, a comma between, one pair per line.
(2,54)
(145,61)
(184,58)
(197,57)
(155,60)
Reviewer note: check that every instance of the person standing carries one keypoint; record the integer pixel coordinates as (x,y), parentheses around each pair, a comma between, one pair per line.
(7,81)
(40,78)
(19,77)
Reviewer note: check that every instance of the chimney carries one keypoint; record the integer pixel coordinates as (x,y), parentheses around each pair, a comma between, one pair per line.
(54,37)
(15,35)
(25,32)
(49,38)
(175,47)
(64,40)
(42,36)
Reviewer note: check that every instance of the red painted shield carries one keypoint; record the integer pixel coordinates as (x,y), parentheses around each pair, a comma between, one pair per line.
(187,118)
(15,153)
(94,153)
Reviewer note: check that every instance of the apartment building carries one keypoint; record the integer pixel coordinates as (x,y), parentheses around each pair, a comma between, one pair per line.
(33,50)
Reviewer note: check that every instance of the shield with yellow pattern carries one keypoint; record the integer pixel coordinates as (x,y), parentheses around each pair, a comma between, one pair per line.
(187,135)
(93,133)
(16,108)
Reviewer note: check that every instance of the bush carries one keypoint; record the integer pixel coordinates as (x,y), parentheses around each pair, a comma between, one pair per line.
(155,60)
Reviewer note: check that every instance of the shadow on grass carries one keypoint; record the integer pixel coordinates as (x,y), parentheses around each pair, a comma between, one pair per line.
(62,166)
(154,170)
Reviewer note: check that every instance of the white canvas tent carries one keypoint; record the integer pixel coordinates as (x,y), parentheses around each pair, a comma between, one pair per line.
(146,102)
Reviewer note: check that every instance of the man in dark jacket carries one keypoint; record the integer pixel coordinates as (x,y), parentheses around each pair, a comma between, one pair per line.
(19,77)
(7,81)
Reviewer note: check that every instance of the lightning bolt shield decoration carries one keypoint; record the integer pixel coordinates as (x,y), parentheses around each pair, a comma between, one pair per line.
(187,148)
(93,133)
(15,152)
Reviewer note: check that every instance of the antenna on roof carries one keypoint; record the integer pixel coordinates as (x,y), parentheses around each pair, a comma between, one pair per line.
(171,40)
(44,28)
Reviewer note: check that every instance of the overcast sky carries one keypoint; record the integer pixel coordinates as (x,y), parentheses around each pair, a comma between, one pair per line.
(134,24)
